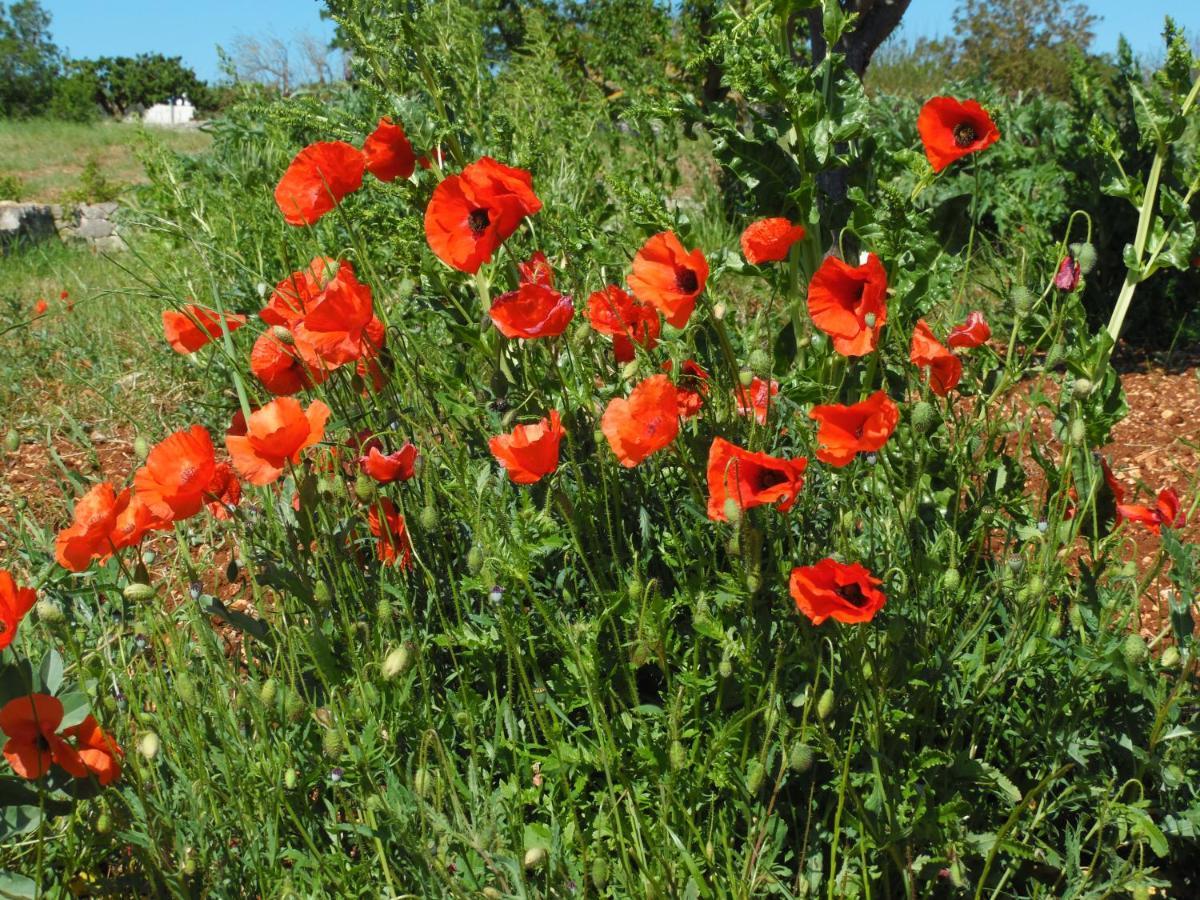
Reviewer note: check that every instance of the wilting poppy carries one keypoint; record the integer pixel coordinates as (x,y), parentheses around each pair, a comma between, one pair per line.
(388,525)
(88,535)
(317,180)
(974,332)
(532,311)
(529,452)
(1165,511)
(859,428)
(769,240)
(340,325)
(692,387)
(15,602)
(1068,274)
(536,270)
(472,214)
(292,297)
(833,590)
(135,519)
(177,475)
(387,153)
(849,303)
(613,312)
(191,329)
(644,423)
(750,479)
(756,399)
(275,362)
(275,435)
(389,467)
(31,724)
(668,277)
(950,129)
(224,493)
(926,352)
(97,752)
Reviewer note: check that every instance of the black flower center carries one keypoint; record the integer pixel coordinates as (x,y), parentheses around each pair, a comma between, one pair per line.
(769,478)
(685,280)
(479,221)
(42,743)
(852,594)
(965,134)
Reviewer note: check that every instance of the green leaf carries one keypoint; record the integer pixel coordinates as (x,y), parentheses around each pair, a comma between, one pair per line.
(75,708)
(51,671)
(17,886)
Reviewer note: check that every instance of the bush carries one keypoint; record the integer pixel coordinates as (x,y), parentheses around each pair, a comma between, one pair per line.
(10,187)
(75,99)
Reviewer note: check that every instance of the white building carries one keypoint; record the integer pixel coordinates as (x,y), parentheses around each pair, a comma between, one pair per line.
(177,111)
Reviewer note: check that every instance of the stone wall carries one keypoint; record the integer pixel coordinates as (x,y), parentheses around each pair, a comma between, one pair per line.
(95,224)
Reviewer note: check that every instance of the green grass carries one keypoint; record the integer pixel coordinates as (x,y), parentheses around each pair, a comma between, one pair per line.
(47,157)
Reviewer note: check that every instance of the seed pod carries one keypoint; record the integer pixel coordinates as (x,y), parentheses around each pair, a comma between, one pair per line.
(148,745)
(49,612)
(141,447)
(268,692)
(755,776)
(1135,650)
(535,858)
(397,662)
(600,873)
(364,487)
(732,511)
(289,778)
(1085,254)
(1081,388)
(12,440)
(1170,657)
(475,559)
(332,743)
(922,417)
(136,592)
(951,579)
(825,704)
(801,758)
(429,518)
(677,755)
(149,557)
(283,335)
(725,669)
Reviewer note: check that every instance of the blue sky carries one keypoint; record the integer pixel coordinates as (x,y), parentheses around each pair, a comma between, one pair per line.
(193,29)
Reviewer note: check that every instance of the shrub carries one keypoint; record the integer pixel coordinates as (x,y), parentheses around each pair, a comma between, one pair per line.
(10,187)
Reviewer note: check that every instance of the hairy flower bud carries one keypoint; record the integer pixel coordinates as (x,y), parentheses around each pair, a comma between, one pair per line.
(535,858)
(1085,254)
(825,704)
(1135,650)
(148,745)
(1081,388)
(397,662)
(136,592)
(923,417)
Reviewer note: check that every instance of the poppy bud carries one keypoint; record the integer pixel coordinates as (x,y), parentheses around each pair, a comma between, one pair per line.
(922,417)
(475,559)
(339,489)
(141,447)
(189,866)
(149,557)
(1085,254)
(801,758)
(629,371)
(535,858)
(957,878)
(383,610)
(732,546)
(49,612)
(1036,586)
(1081,388)
(635,589)
(760,361)
(753,582)
(1135,650)
(1022,300)
(492,894)
(803,342)
(825,704)
(951,579)
(429,518)
(600,873)
(364,487)
(719,311)
(283,335)
(397,662)
(1054,626)
(677,755)
(746,377)
(725,669)
(324,485)
(293,706)
(289,778)
(321,594)
(1075,616)
(104,824)
(332,743)
(268,692)
(148,745)
(755,776)
(1170,657)
(580,335)
(1078,432)
(12,440)
(423,782)
(136,592)
(732,511)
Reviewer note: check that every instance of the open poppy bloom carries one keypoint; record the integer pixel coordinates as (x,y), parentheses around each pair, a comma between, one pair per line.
(40,308)
(275,361)
(769,240)
(340,325)
(31,724)
(756,399)
(97,752)
(944,368)
(276,434)
(292,297)
(88,535)
(386,468)
(470,215)
(974,332)
(134,521)
(317,180)
(191,329)
(750,479)
(859,428)
(387,153)
(536,270)
(178,474)
(388,525)
(692,387)
(15,602)
(1165,511)
(833,590)
(644,423)
(849,303)
(668,277)
(627,321)
(532,311)
(951,129)
(224,493)
(529,452)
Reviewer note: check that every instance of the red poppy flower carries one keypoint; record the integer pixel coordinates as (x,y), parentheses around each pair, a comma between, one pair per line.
(191,329)
(97,752)
(31,724)
(15,602)
(338,325)
(88,535)
(471,214)
(387,153)
(292,297)
(613,312)
(532,311)
(644,423)
(769,240)
(39,308)
(859,428)
(950,129)
(756,399)
(668,277)
(224,493)
(692,387)
(134,521)
(386,468)
(275,435)
(537,270)
(1166,511)
(833,590)
(275,361)
(529,452)
(388,525)
(849,303)
(974,332)
(67,299)
(750,479)
(1068,274)
(317,180)
(177,475)
(945,369)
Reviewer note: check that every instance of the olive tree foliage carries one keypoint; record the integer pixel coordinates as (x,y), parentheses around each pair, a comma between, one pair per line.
(29,60)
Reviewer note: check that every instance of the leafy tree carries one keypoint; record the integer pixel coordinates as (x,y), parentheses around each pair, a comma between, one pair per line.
(29,59)
(123,82)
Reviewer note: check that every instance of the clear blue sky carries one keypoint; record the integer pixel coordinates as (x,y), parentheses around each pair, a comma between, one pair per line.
(193,29)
